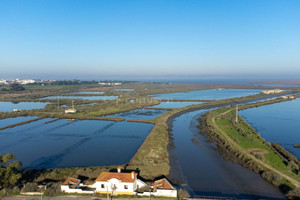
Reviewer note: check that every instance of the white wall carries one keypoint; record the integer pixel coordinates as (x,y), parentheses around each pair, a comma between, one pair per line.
(140,183)
(120,186)
(161,193)
(166,193)
(67,189)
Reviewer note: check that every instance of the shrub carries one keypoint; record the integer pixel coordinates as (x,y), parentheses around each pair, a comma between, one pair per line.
(293,166)
(258,156)
(31,187)
(16,87)
(293,194)
(271,177)
(181,194)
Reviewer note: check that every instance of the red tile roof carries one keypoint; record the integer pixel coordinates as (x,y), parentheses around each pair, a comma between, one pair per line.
(162,184)
(124,177)
(72,182)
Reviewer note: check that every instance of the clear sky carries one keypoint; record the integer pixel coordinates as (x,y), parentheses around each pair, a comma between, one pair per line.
(94,39)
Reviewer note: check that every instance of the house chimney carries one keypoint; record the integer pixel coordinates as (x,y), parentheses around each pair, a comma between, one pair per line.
(119,169)
(132,174)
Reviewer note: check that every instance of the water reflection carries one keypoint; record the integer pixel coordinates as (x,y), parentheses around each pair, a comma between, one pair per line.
(139,114)
(87,92)
(10,106)
(178,104)
(78,143)
(82,97)
(124,90)
(213,94)
(15,120)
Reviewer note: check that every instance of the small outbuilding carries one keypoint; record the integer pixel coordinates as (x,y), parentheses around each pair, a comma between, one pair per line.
(73,185)
(164,188)
(70,111)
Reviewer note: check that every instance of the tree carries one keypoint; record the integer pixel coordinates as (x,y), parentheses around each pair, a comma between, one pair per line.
(3,89)
(16,87)
(9,174)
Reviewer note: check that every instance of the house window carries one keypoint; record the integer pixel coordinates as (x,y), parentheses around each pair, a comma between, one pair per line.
(126,187)
(102,186)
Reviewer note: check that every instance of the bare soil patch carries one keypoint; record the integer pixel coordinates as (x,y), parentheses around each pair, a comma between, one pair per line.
(258,151)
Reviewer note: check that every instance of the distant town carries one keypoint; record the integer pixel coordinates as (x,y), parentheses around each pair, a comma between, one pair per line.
(24,81)
(40,81)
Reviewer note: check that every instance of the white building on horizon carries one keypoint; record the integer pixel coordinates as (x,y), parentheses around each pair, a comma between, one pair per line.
(110,83)
(24,81)
(3,82)
(275,91)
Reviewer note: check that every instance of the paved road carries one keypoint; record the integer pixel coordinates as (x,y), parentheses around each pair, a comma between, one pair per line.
(64,198)
(48,198)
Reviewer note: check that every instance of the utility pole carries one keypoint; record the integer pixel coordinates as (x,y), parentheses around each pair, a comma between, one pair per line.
(107,192)
(236,114)
(42,193)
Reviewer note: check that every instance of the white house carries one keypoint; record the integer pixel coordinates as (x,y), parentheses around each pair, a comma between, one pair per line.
(117,183)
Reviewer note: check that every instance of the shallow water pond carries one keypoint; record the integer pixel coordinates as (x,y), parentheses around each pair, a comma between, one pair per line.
(139,114)
(87,92)
(124,90)
(10,106)
(77,143)
(15,120)
(178,104)
(213,94)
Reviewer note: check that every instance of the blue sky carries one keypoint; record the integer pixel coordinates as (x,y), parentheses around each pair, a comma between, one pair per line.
(150,39)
